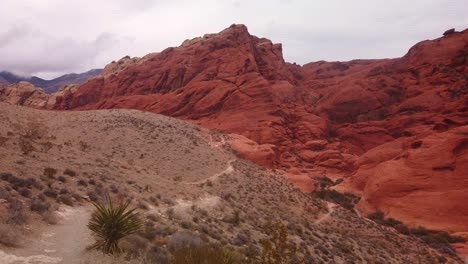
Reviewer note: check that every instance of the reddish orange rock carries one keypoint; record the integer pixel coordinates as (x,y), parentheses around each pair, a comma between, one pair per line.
(261,154)
(419,181)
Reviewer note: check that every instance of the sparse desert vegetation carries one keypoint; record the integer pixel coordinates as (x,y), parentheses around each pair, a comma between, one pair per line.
(208,212)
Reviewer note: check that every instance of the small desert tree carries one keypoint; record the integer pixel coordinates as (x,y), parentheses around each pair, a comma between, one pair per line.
(110,223)
(276,249)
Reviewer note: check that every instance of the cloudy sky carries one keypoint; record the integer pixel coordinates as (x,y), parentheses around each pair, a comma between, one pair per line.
(52,37)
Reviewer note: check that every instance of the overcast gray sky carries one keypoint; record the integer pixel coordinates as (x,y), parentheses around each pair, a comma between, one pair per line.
(52,37)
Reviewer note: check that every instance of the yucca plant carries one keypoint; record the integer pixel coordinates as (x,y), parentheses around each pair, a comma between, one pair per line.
(110,223)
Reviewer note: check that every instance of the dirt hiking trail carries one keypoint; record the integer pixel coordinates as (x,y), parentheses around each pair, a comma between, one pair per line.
(61,243)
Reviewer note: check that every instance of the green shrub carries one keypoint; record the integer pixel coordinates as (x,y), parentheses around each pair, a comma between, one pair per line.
(376,216)
(392,222)
(205,254)
(323,183)
(276,249)
(50,172)
(110,223)
(402,229)
(69,172)
(347,200)
(436,239)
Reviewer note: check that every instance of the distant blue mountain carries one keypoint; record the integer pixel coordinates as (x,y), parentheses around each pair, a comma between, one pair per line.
(49,86)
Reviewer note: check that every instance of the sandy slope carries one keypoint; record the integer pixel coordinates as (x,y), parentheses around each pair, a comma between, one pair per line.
(180,180)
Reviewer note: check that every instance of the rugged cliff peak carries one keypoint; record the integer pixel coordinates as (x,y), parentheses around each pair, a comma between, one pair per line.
(232,56)
(451,49)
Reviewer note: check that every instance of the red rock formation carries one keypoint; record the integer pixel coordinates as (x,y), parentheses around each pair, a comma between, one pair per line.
(23,93)
(421,181)
(339,119)
(231,81)
(261,154)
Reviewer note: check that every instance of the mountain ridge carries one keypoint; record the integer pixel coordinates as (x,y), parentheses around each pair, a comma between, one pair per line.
(52,85)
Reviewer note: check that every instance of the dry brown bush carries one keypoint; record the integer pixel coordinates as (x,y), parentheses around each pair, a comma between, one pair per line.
(9,236)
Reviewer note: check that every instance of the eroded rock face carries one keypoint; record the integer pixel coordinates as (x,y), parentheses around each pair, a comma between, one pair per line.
(264,154)
(320,119)
(419,180)
(23,93)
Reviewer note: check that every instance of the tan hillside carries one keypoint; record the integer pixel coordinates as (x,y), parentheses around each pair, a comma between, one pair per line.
(184,181)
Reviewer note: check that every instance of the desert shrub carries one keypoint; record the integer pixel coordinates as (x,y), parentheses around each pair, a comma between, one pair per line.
(276,249)
(49,192)
(186,224)
(39,205)
(376,216)
(18,183)
(402,229)
(142,205)
(157,254)
(205,254)
(436,239)
(50,218)
(6,176)
(3,140)
(69,172)
(110,223)
(323,183)
(134,245)
(76,196)
(347,200)
(33,131)
(65,199)
(93,196)
(241,239)
(149,232)
(153,217)
(16,213)
(26,146)
(183,239)
(82,183)
(419,231)
(49,172)
(4,193)
(32,182)
(392,222)
(234,219)
(177,178)
(8,236)
(25,192)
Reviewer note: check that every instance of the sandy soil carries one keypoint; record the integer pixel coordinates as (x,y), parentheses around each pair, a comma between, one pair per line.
(180,177)
(62,243)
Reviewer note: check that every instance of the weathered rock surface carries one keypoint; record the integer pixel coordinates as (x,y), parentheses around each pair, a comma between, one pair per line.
(421,181)
(263,154)
(23,93)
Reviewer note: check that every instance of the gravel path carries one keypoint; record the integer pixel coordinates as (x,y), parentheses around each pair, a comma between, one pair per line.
(62,243)
(331,208)
(229,169)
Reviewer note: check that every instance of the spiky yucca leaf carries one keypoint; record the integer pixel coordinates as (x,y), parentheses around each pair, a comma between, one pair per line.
(110,223)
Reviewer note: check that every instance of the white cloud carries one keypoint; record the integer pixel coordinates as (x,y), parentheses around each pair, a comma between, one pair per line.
(51,37)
